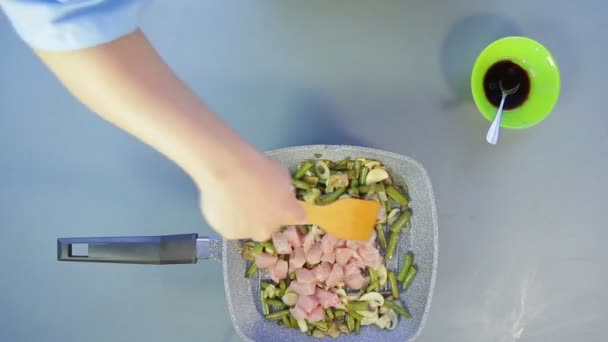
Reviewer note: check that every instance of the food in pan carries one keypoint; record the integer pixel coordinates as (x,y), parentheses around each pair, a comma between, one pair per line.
(325,286)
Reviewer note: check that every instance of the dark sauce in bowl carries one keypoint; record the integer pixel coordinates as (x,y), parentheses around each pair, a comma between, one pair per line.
(510,74)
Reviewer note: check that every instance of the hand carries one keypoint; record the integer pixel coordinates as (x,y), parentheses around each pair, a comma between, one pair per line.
(252,199)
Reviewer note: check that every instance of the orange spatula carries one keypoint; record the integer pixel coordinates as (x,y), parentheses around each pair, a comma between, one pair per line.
(349,219)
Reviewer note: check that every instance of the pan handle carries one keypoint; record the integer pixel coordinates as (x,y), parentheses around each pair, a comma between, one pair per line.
(153,250)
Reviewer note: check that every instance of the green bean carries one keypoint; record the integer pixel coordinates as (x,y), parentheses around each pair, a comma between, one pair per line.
(350,165)
(264,285)
(265,309)
(357,306)
(259,248)
(311,180)
(300,184)
(407,226)
(355,314)
(363,175)
(380,235)
(363,189)
(393,193)
(373,274)
(400,222)
(332,197)
(350,322)
(358,165)
(387,207)
(276,303)
(392,280)
(292,275)
(354,184)
(269,247)
(339,313)
(357,326)
(392,306)
(282,285)
(277,315)
(409,278)
(372,287)
(292,320)
(304,167)
(251,270)
(392,245)
(407,263)
(329,313)
(286,321)
(322,325)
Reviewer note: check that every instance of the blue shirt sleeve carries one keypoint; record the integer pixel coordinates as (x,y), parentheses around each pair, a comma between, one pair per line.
(60,25)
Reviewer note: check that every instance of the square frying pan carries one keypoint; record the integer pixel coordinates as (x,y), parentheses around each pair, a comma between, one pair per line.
(243,295)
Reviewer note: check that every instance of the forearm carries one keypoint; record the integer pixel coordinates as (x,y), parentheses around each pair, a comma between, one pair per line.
(128,84)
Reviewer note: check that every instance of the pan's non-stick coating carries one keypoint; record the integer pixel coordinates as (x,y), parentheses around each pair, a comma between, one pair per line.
(243,294)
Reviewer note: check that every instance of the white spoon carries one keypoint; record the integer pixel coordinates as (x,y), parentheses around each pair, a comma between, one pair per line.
(493,132)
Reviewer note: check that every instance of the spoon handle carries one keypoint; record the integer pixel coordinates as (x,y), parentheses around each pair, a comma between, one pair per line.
(493,132)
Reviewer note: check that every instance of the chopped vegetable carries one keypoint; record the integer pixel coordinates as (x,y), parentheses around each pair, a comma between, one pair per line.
(398,309)
(324,286)
(277,315)
(253,268)
(307,165)
(392,280)
(393,193)
(408,259)
(411,274)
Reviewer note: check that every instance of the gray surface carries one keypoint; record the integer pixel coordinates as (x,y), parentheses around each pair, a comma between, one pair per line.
(522,225)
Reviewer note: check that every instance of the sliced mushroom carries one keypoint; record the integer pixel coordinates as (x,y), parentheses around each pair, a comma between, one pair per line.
(290,299)
(382,275)
(354,295)
(373,299)
(372,164)
(394,320)
(393,215)
(340,292)
(383,321)
(303,326)
(383,310)
(375,176)
(369,320)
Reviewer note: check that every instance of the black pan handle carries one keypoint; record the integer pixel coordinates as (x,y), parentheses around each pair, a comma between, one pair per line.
(153,250)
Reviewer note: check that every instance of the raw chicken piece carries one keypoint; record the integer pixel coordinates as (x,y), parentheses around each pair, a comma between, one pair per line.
(302,289)
(343,255)
(265,260)
(370,256)
(329,257)
(327,299)
(336,276)
(316,315)
(313,256)
(307,303)
(322,272)
(297,259)
(298,313)
(278,271)
(279,240)
(293,236)
(305,276)
(355,281)
(351,268)
(309,240)
(328,243)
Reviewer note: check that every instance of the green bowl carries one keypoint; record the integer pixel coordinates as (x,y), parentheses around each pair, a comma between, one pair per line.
(542,71)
